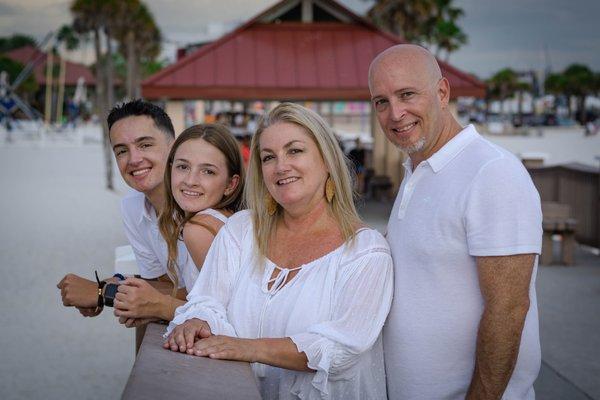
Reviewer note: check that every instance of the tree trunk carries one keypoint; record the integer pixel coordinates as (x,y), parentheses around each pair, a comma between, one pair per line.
(101,110)
(110,87)
(520,105)
(137,79)
(581,109)
(100,99)
(131,79)
(569,107)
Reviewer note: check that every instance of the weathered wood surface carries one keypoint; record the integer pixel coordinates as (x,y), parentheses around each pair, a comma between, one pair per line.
(163,374)
(578,186)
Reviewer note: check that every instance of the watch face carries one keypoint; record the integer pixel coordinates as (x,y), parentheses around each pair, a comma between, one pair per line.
(109,294)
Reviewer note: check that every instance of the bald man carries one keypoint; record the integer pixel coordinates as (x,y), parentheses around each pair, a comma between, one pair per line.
(465,232)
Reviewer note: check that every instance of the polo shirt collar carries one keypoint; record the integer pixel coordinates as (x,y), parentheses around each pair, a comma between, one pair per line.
(407,164)
(451,149)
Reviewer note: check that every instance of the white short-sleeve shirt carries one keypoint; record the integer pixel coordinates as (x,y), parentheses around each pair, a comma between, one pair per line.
(471,198)
(141,228)
(333,310)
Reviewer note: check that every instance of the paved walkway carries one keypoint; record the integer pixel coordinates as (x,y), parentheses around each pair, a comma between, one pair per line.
(57,218)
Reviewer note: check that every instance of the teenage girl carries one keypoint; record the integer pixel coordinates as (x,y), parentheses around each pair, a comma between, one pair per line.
(203,185)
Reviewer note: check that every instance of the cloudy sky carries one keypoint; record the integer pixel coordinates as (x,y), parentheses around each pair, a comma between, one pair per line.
(501,33)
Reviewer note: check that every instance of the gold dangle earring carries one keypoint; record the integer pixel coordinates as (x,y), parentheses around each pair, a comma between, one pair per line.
(329,189)
(271,204)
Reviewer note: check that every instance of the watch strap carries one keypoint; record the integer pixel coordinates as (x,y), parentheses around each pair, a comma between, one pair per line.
(109,294)
(101,284)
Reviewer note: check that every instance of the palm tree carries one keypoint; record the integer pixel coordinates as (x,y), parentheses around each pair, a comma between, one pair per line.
(431,23)
(147,45)
(556,84)
(67,37)
(596,84)
(576,80)
(93,16)
(16,41)
(139,40)
(446,34)
(580,80)
(503,85)
(521,88)
(409,19)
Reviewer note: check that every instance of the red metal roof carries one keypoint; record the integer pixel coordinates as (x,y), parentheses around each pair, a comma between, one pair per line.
(287,61)
(72,70)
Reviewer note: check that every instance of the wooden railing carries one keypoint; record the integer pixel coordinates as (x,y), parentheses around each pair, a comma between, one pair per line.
(578,186)
(163,374)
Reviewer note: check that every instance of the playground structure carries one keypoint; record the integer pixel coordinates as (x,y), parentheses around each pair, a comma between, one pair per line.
(17,112)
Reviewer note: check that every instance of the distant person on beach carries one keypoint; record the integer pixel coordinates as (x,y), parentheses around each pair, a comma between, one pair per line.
(141,135)
(296,285)
(358,156)
(203,187)
(465,232)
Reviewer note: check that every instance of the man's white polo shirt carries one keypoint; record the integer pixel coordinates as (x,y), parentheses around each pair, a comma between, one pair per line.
(471,198)
(141,228)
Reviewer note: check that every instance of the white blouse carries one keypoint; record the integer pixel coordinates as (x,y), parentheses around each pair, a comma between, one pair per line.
(333,310)
(188,272)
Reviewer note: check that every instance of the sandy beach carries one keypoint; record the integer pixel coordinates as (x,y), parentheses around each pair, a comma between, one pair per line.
(57,218)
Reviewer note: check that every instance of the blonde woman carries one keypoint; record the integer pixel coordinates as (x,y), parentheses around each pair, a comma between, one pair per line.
(203,185)
(297,284)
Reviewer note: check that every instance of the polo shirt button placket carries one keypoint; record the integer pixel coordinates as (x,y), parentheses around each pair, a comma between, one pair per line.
(405,199)
(401,211)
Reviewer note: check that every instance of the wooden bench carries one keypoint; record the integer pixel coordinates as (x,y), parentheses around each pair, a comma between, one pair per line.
(163,374)
(557,221)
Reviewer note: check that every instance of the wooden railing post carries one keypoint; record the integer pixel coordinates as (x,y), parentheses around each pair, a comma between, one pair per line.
(163,374)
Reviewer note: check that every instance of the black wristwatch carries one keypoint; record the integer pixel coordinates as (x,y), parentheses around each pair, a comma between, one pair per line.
(110,290)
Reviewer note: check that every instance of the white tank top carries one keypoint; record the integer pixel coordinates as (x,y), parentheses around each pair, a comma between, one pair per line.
(213,213)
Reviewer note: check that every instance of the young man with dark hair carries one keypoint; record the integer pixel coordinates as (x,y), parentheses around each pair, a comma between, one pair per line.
(141,135)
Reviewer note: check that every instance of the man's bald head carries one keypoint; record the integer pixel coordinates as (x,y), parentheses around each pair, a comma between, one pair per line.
(417,60)
(410,98)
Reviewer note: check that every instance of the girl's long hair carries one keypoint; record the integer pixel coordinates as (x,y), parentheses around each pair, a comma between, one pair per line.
(173,218)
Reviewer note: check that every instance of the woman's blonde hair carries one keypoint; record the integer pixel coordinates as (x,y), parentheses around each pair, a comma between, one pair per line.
(173,218)
(341,207)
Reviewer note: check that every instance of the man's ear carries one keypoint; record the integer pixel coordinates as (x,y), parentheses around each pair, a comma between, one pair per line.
(443,92)
(234,181)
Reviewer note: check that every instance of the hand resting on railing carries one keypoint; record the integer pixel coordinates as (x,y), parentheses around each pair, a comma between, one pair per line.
(183,336)
(194,337)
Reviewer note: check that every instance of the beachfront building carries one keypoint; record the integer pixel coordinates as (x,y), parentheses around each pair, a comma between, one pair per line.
(316,52)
